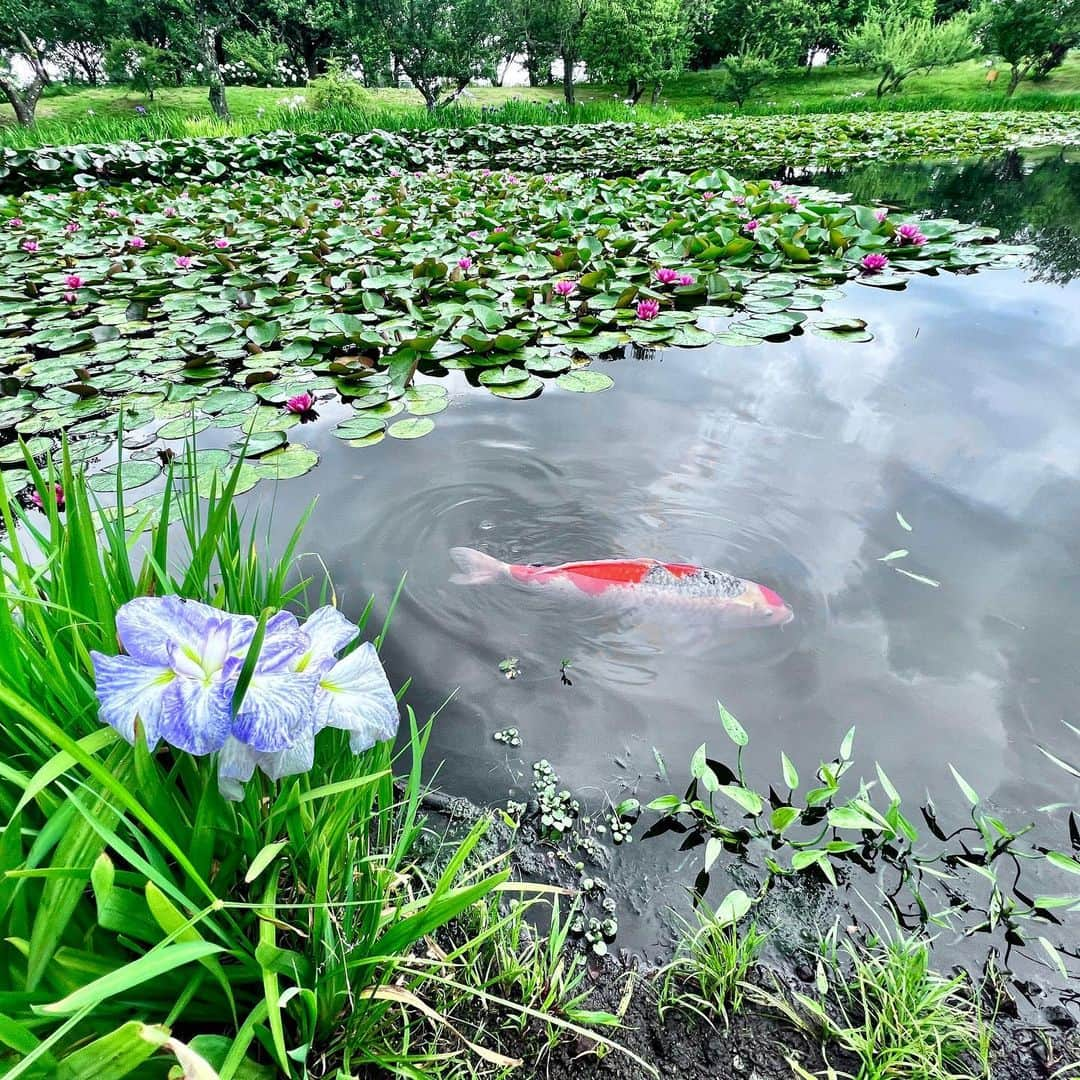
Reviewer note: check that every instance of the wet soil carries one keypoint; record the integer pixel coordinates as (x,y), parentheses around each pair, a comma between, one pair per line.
(758,1044)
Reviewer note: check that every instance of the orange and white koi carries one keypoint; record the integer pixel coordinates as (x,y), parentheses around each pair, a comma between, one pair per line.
(639,580)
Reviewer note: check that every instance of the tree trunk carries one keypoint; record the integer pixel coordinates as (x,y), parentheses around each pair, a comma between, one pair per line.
(217,84)
(881,85)
(656,88)
(1016,75)
(311,56)
(531,65)
(568,60)
(25,101)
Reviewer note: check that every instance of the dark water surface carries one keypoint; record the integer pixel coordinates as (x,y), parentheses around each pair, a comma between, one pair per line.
(787,464)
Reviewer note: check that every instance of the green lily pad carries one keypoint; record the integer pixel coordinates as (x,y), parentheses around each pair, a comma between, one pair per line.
(411,429)
(585,381)
(134,474)
(287,463)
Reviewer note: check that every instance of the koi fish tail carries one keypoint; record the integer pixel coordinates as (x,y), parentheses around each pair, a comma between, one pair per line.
(476,567)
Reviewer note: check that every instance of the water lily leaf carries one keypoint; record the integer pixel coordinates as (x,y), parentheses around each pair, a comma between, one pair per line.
(258,443)
(183,427)
(525,389)
(359,427)
(411,429)
(585,381)
(506,376)
(288,462)
(134,474)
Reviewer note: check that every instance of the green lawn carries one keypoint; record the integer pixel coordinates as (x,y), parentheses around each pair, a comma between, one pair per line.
(68,115)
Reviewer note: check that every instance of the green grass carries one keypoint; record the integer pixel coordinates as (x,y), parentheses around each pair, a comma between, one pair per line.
(712,960)
(131,894)
(103,114)
(884,1004)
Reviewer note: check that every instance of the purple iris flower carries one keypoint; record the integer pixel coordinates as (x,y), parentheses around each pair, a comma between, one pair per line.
(179,671)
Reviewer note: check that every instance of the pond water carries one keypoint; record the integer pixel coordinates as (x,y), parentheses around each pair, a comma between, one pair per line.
(787,464)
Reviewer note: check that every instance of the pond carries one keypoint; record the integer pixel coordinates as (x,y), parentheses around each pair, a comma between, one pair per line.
(906,476)
(800,465)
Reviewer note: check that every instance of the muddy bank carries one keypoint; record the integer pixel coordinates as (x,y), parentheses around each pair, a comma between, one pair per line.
(759,1043)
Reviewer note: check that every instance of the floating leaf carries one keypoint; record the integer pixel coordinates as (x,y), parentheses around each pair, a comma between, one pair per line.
(134,474)
(287,463)
(411,429)
(585,382)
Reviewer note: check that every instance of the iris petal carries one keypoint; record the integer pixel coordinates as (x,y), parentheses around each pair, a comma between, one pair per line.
(196,714)
(284,643)
(298,758)
(276,709)
(355,695)
(127,689)
(236,765)
(329,632)
(147,624)
(152,627)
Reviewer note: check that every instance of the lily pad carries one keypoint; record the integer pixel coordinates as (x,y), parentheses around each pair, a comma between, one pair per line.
(585,381)
(411,429)
(134,474)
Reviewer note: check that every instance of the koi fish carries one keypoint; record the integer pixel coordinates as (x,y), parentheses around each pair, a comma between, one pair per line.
(644,580)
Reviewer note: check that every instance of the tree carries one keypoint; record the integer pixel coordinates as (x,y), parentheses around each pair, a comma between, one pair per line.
(789,31)
(1031,35)
(143,66)
(896,44)
(638,43)
(442,45)
(742,73)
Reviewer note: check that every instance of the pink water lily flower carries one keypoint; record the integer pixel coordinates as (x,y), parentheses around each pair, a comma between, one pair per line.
(15,223)
(73,281)
(565,287)
(648,309)
(708,196)
(792,201)
(110,212)
(549,178)
(909,234)
(170,211)
(739,200)
(485,173)
(137,243)
(873,263)
(751,226)
(71,297)
(881,214)
(776,185)
(221,243)
(37,500)
(184,262)
(72,227)
(337,204)
(299,404)
(30,245)
(475,234)
(686,279)
(665,275)
(464,262)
